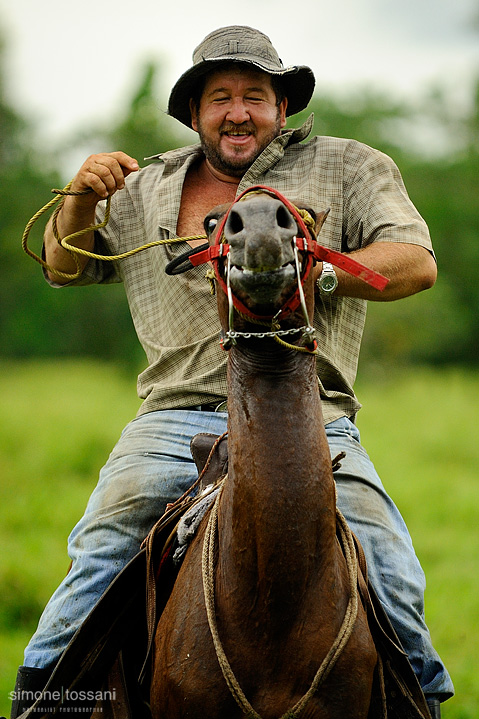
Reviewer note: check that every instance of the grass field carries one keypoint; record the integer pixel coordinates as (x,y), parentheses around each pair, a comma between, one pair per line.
(59,420)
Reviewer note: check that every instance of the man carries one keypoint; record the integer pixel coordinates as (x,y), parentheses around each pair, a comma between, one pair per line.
(237,96)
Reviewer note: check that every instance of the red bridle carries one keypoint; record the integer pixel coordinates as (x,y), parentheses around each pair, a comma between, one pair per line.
(305,242)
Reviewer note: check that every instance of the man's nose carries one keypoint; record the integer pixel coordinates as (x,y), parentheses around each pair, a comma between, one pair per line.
(238,112)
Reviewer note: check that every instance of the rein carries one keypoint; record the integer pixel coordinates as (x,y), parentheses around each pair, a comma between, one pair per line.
(342,638)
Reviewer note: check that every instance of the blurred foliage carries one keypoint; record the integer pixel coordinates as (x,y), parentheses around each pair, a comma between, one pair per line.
(437,151)
(435,146)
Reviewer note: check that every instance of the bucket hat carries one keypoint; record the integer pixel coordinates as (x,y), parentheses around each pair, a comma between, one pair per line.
(245,45)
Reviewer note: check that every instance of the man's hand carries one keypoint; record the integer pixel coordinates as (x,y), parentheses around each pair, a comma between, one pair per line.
(104,173)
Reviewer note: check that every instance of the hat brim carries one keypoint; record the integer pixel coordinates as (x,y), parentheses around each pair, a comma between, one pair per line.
(297,81)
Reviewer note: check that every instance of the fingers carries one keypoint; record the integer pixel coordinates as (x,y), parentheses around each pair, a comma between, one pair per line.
(104,173)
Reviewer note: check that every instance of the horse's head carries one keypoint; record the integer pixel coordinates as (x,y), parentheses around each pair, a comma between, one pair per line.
(263,248)
(259,231)
(265,269)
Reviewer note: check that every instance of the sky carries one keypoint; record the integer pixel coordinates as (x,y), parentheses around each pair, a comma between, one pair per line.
(67,64)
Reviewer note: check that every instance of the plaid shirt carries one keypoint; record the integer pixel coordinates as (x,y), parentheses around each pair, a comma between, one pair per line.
(176,317)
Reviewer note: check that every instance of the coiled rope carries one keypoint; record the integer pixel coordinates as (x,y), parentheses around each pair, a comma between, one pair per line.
(208,566)
(72,249)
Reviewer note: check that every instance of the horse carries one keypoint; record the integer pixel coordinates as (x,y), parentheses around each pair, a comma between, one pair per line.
(262,600)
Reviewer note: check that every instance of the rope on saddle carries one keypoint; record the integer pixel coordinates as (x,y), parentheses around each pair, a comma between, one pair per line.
(208,563)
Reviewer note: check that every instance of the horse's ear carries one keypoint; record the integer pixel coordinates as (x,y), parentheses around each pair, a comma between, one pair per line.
(320,218)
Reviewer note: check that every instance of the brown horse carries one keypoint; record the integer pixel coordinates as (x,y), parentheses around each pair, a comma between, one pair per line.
(278,588)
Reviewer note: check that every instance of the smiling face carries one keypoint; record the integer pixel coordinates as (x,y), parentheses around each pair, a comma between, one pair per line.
(237,117)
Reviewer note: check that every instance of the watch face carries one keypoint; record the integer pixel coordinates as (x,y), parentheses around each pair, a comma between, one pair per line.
(328,283)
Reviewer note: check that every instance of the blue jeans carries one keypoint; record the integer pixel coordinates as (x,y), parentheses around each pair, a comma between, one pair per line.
(151,465)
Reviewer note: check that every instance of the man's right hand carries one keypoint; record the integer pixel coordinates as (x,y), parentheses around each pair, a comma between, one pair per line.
(104,173)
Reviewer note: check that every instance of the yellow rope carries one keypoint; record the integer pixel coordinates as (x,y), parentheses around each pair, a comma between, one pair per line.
(208,558)
(59,196)
(297,348)
(65,242)
(73,250)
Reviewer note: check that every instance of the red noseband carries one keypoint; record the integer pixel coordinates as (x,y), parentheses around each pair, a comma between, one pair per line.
(305,243)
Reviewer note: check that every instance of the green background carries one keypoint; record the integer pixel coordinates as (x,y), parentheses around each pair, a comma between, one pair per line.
(418,380)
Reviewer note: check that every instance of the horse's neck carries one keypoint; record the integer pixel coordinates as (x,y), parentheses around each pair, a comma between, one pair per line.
(278,513)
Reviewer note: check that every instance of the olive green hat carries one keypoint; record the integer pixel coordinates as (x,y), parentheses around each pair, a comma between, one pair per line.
(244,45)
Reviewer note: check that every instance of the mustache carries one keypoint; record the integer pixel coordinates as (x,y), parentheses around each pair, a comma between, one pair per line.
(233,127)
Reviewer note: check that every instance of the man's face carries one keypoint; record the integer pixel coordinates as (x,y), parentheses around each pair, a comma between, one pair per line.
(237,118)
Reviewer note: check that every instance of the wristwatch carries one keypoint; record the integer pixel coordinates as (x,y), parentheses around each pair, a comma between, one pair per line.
(327,281)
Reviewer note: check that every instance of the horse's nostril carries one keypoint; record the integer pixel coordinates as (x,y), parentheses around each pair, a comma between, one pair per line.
(234,223)
(283,218)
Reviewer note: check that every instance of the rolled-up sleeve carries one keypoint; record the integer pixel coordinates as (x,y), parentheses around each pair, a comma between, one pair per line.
(377,207)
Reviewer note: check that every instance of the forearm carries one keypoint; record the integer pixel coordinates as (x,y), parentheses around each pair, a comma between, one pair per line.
(409,268)
(72,218)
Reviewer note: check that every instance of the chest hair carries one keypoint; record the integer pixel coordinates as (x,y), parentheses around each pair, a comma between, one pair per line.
(201,192)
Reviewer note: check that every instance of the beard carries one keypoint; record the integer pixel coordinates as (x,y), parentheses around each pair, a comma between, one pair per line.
(236,163)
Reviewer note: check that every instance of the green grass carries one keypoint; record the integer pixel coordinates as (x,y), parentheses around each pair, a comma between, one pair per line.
(421,429)
(59,421)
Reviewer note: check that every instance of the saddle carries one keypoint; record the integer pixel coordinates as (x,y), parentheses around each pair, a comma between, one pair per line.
(107,661)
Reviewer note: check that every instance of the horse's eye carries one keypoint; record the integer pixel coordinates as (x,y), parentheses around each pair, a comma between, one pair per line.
(212,222)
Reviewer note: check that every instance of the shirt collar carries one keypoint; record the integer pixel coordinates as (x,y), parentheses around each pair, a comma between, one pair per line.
(176,164)
(272,154)
(300,133)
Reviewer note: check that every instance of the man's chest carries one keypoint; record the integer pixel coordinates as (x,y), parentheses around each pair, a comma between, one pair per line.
(198,198)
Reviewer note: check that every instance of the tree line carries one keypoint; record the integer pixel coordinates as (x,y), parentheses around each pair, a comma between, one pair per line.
(435,147)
